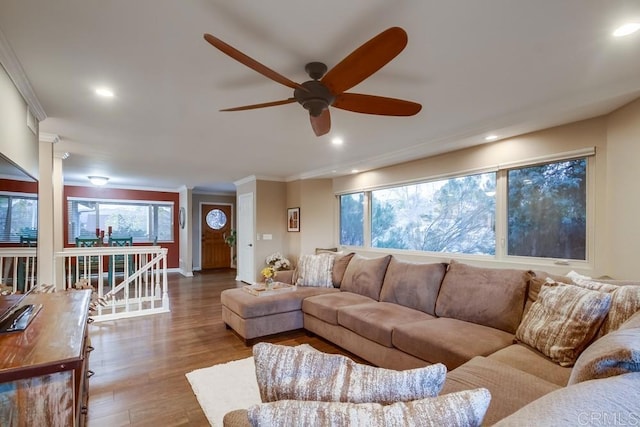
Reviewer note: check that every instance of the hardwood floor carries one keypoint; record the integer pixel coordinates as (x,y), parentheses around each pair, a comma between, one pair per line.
(140,363)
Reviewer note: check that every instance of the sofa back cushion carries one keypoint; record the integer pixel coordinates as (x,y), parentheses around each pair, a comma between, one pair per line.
(339,267)
(413,285)
(614,354)
(486,296)
(364,276)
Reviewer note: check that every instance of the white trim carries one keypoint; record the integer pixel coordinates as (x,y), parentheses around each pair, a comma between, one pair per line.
(111,185)
(556,157)
(49,137)
(14,69)
(245,180)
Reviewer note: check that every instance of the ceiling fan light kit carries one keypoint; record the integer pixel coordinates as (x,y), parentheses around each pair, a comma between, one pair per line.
(328,88)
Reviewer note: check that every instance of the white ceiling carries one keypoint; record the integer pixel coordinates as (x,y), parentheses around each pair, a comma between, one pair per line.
(477,67)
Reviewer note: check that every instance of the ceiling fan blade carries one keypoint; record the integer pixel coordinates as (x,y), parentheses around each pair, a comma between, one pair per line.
(322,124)
(380,105)
(365,60)
(251,63)
(264,104)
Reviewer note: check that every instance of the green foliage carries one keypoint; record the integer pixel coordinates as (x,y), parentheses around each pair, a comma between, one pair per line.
(547,210)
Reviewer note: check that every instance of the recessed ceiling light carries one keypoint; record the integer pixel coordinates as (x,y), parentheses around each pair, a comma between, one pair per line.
(491,137)
(98,180)
(104,92)
(627,29)
(337,141)
(354,171)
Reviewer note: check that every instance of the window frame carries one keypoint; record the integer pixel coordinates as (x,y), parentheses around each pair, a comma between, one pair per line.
(10,195)
(144,203)
(501,225)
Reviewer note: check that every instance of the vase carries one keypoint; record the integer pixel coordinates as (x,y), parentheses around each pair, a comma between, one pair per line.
(269,283)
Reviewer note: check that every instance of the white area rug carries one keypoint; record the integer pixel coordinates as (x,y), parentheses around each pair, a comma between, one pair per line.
(223,388)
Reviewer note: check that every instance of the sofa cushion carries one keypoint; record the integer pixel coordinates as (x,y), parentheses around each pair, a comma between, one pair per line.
(486,296)
(530,360)
(248,306)
(326,306)
(609,401)
(510,388)
(563,320)
(463,409)
(413,285)
(613,354)
(296,373)
(376,320)
(364,276)
(315,270)
(448,341)
(339,267)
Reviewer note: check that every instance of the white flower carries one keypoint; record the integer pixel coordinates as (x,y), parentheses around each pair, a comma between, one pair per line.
(278,261)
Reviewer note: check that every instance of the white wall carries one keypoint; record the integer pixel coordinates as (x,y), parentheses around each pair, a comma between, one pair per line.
(623,197)
(17,142)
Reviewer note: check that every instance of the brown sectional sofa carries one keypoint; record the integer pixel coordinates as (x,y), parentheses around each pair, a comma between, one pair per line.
(403,315)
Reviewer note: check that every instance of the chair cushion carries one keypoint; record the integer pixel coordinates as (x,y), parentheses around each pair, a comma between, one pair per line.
(413,285)
(364,276)
(448,341)
(295,373)
(325,307)
(487,296)
(377,320)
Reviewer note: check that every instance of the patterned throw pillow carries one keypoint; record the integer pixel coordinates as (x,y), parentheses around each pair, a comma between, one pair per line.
(290,373)
(563,320)
(614,354)
(625,300)
(315,270)
(465,408)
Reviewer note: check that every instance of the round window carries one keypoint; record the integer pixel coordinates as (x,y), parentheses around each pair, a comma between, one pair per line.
(216,219)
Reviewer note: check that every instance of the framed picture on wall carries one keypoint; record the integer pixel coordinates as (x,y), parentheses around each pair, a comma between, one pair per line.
(293,219)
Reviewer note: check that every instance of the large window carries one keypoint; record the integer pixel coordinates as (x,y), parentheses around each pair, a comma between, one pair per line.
(352,219)
(544,214)
(18,216)
(453,215)
(547,207)
(144,221)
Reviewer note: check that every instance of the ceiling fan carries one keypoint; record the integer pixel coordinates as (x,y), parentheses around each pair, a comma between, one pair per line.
(327,88)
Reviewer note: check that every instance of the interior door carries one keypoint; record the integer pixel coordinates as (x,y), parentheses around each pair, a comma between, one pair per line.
(245,238)
(215,225)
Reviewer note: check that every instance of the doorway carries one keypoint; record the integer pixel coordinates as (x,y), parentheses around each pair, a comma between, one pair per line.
(215,225)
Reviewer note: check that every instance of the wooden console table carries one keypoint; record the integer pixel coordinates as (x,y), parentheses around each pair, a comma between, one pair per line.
(44,369)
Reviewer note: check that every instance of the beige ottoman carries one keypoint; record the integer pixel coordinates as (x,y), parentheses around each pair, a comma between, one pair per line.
(258,316)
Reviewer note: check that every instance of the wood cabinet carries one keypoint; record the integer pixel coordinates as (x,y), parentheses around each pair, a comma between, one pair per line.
(44,369)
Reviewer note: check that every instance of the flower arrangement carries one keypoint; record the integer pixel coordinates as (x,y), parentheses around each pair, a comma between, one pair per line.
(268,272)
(278,261)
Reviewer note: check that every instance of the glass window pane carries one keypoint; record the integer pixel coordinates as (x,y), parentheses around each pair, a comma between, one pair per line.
(352,219)
(18,217)
(145,222)
(453,215)
(547,207)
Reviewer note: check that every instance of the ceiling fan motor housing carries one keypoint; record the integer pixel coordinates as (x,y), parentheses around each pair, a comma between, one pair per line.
(316,99)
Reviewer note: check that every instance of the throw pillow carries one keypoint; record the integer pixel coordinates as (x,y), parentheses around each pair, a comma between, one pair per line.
(465,408)
(563,320)
(364,276)
(614,354)
(315,270)
(340,264)
(625,300)
(290,373)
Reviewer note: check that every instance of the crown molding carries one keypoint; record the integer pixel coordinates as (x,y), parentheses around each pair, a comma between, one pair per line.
(49,137)
(14,69)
